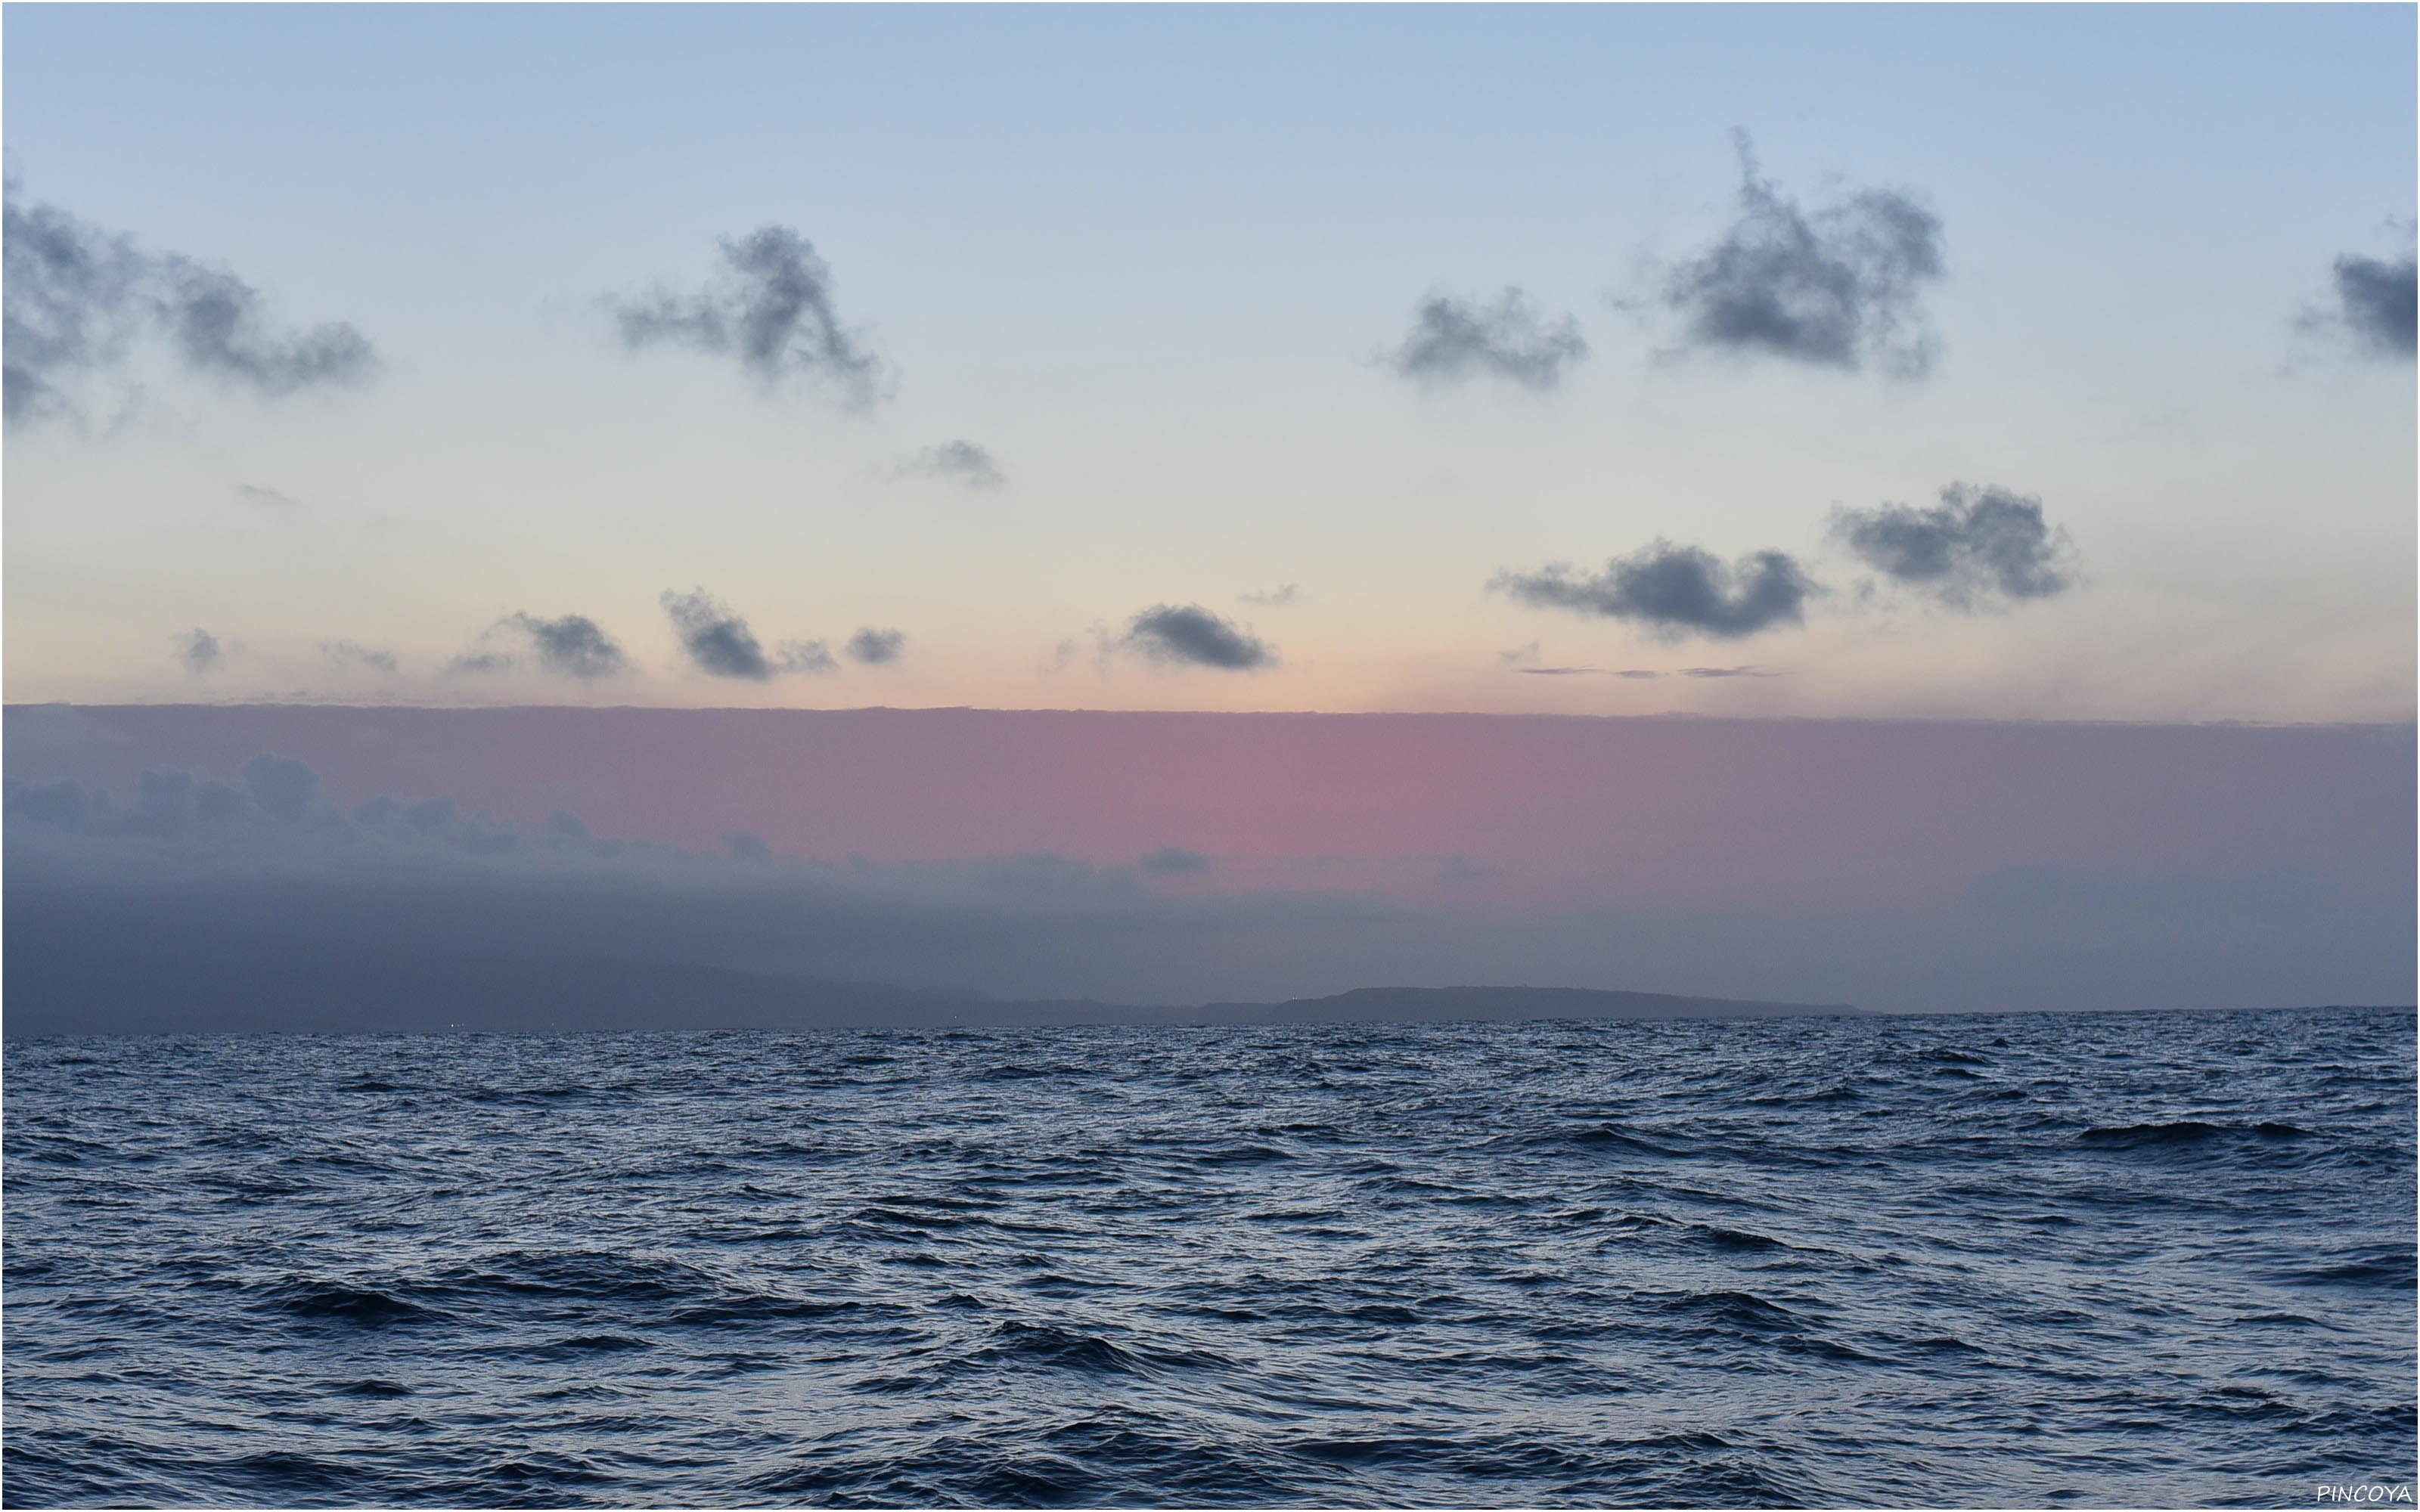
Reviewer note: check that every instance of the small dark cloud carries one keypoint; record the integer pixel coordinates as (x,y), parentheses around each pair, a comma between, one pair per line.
(2375,304)
(268,498)
(80,298)
(343,656)
(876,648)
(1173,862)
(1455,340)
(958,461)
(811,658)
(1277,598)
(1979,548)
(199,652)
(1676,590)
(718,642)
(1561,672)
(771,305)
(1839,286)
(1519,656)
(1728,671)
(567,645)
(573,645)
(1189,635)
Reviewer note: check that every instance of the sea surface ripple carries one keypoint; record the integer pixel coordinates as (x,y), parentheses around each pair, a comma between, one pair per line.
(2138,1259)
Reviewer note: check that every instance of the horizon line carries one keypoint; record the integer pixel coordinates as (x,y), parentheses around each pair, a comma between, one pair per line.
(1677,715)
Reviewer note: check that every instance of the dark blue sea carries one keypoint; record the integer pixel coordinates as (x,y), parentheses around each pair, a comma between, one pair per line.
(2143,1259)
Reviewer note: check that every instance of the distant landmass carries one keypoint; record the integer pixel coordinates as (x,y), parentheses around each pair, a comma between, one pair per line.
(254,991)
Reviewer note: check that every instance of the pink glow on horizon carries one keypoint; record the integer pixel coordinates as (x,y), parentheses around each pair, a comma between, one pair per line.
(1554,812)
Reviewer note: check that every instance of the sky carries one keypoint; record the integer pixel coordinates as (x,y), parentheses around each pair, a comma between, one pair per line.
(434,332)
(1903,505)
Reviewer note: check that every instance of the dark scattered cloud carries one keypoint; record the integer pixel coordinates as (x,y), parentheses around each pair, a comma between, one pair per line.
(1676,590)
(1455,340)
(1277,598)
(1979,548)
(72,305)
(1728,671)
(718,642)
(1189,635)
(1173,862)
(343,656)
(871,647)
(2376,303)
(1563,671)
(573,645)
(771,305)
(80,298)
(959,461)
(1839,287)
(221,327)
(811,658)
(199,652)
(567,645)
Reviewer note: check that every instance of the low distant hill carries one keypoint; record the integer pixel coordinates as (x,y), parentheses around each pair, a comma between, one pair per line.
(1432,1005)
(201,986)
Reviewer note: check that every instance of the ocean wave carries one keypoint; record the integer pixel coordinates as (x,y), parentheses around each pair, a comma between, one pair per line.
(1542,1264)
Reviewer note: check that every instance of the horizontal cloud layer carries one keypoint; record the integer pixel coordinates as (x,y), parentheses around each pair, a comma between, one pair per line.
(1688,855)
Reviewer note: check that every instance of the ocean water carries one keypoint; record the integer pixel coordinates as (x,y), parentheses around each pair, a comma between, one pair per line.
(2139,1259)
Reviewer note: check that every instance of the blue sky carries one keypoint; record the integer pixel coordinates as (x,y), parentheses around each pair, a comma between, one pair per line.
(1150,258)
